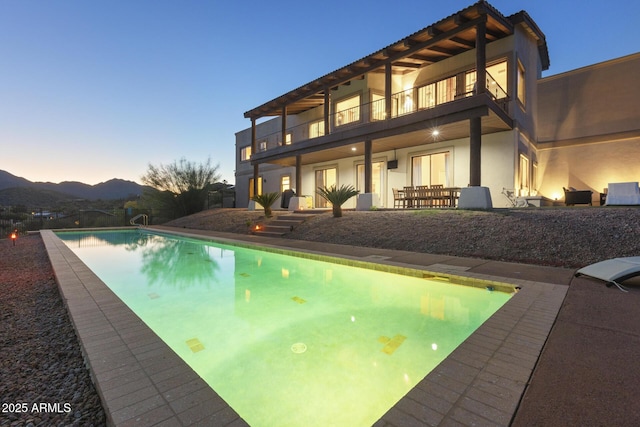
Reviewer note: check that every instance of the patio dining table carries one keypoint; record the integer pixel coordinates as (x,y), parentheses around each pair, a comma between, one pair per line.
(429,197)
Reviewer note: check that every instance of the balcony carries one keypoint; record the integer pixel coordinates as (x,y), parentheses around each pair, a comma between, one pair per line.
(413,113)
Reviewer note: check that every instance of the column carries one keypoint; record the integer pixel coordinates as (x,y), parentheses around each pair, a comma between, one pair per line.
(367,200)
(475,139)
(254,147)
(284,125)
(387,90)
(475,124)
(298,175)
(327,111)
(475,196)
(368,176)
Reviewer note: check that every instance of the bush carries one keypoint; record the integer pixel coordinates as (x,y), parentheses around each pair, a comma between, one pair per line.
(266,200)
(337,196)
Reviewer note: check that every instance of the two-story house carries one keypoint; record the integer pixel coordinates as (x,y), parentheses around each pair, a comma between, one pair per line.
(455,104)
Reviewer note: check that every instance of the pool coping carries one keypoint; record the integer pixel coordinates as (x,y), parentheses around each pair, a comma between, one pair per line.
(141,381)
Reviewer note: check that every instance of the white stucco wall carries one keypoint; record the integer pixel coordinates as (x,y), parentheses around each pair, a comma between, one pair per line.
(588,166)
(589,127)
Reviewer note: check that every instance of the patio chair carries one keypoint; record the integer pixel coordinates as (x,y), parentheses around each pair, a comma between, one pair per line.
(423,196)
(410,197)
(577,197)
(438,196)
(399,199)
(623,193)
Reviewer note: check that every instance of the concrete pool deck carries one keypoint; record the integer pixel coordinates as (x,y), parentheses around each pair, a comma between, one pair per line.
(141,381)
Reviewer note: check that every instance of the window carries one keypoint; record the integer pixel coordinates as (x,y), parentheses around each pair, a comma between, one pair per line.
(348,111)
(496,80)
(433,94)
(245,154)
(263,146)
(523,185)
(251,193)
(403,103)
(431,169)
(427,96)
(378,107)
(534,179)
(287,140)
(470,83)
(316,129)
(521,84)
(285,183)
(377,169)
(446,90)
(325,178)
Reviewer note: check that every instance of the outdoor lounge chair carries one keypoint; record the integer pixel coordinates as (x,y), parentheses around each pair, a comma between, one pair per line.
(623,193)
(613,271)
(577,197)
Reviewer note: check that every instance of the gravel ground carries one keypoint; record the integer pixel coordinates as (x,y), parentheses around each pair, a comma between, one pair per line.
(41,361)
(562,237)
(43,379)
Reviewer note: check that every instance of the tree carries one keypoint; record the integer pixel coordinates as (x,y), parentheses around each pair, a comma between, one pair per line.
(337,197)
(181,187)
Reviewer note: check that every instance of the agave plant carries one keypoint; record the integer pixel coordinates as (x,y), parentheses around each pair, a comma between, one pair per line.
(337,196)
(266,200)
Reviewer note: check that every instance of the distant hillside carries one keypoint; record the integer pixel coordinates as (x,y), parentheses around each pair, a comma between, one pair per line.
(43,192)
(31,197)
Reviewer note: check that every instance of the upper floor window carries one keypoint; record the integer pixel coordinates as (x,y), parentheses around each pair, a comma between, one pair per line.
(446,90)
(378,107)
(435,93)
(496,80)
(262,146)
(245,153)
(427,96)
(348,111)
(403,103)
(316,129)
(287,140)
(521,84)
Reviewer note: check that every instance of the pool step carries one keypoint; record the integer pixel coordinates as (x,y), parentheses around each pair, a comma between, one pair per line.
(282,225)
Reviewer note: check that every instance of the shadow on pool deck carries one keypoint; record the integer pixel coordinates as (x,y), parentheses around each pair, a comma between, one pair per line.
(586,373)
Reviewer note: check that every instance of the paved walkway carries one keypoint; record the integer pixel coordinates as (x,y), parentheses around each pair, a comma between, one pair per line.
(144,383)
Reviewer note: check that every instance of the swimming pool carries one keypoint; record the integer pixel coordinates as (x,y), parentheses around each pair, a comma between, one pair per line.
(286,340)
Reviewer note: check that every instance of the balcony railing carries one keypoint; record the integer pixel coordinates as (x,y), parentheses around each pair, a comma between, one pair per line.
(402,103)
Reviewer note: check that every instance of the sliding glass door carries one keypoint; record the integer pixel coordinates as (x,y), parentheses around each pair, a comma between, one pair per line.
(324,178)
(431,169)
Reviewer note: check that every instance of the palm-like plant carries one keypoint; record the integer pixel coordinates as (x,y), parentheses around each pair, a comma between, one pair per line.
(337,196)
(266,200)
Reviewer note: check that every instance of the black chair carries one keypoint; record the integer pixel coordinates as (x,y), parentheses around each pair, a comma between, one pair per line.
(577,197)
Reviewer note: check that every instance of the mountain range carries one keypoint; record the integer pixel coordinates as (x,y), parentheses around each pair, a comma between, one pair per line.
(15,190)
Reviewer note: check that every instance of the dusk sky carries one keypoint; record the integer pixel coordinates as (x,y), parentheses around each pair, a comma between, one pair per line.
(94,90)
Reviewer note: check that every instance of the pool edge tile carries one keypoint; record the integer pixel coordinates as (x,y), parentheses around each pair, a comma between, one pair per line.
(530,314)
(147,405)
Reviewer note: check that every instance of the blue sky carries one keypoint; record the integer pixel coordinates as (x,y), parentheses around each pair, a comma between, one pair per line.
(94,90)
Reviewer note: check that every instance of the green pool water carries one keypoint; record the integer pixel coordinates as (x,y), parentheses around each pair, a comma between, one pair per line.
(287,341)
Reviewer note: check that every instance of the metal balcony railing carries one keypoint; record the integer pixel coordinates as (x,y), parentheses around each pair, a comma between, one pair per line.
(402,103)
